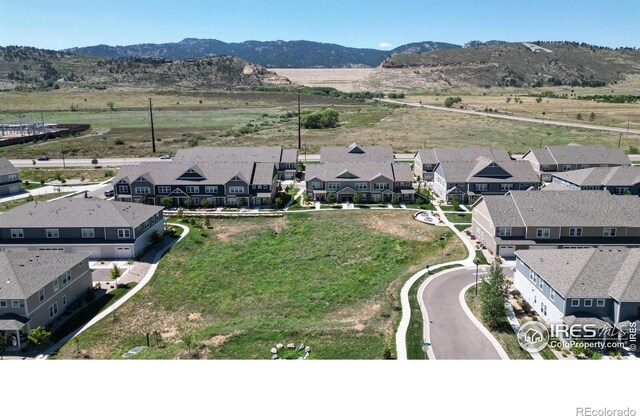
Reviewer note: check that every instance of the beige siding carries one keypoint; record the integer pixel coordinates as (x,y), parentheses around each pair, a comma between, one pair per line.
(482,226)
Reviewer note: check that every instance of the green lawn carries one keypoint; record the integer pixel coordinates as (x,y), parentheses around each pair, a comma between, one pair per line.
(5,206)
(504,333)
(462,227)
(463,218)
(480,256)
(328,279)
(447,208)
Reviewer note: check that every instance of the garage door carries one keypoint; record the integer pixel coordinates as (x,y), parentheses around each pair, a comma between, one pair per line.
(507,251)
(92,252)
(123,252)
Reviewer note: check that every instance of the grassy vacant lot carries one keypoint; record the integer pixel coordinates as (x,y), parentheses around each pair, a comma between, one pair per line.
(5,206)
(329,279)
(260,118)
(50,174)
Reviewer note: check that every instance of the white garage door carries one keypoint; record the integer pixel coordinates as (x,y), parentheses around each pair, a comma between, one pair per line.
(92,252)
(507,251)
(123,252)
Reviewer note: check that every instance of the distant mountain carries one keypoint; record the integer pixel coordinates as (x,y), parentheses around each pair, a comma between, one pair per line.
(477,43)
(498,63)
(271,54)
(26,68)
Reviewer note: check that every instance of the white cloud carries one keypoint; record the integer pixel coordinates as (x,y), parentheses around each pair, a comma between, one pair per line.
(384,45)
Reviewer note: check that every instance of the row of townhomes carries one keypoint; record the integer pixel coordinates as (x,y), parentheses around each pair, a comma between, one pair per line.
(619,180)
(369,171)
(37,288)
(223,176)
(92,227)
(522,220)
(594,286)
(10,182)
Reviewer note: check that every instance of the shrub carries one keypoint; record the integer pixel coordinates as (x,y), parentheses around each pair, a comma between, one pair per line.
(450,101)
(118,142)
(39,335)
(156,237)
(325,118)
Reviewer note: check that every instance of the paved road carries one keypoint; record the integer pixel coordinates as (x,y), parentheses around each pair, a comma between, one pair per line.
(452,334)
(517,118)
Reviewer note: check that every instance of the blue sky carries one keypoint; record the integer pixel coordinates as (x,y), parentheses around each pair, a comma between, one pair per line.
(66,23)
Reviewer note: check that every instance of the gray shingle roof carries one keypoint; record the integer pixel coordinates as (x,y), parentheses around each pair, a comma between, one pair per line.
(451,154)
(398,172)
(610,176)
(237,154)
(24,273)
(481,170)
(590,272)
(6,167)
(576,155)
(563,209)
(78,212)
(356,153)
(168,173)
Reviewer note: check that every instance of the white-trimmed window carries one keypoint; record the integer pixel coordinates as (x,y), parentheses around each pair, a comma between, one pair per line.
(583,166)
(333,186)
(289,165)
(66,277)
(621,190)
(566,167)
(195,201)
(15,304)
(361,186)
(600,303)
(17,233)
(575,232)
(88,233)
(3,304)
(380,186)
(64,299)
(122,189)
(209,189)
(504,231)
(544,167)
(506,186)
(609,232)
(13,177)
(552,294)
(56,285)
(41,296)
(164,189)
(53,310)
(543,232)
(541,284)
(143,190)
(53,233)
(481,187)
(543,308)
(193,189)
(236,190)
(575,302)
(124,233)
(588,303)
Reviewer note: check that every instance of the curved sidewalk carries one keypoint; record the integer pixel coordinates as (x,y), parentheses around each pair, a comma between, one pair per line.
(120,301)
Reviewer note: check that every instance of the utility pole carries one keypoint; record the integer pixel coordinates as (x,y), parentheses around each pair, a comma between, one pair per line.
(299,132)
(62,151)
(627,124)
(619,140)
(153,135)
(540,143)
(305,152)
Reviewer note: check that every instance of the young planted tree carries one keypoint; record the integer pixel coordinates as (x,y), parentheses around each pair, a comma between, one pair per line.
(204,203)
(39,335)
(358,198)
(94,161)
(493,292)
(156,237)
(187,338)
(188,202)
(167,201)
(116,273)
(331,198)
(455,203)
(592,116)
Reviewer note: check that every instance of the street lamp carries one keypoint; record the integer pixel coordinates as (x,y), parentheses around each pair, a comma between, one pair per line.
(476,261)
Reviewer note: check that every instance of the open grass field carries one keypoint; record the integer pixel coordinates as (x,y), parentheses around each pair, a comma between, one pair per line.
(267,119)
(7,205)
(35,175)
(329,279)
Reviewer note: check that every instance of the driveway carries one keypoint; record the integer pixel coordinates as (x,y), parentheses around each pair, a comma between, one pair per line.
(451,333)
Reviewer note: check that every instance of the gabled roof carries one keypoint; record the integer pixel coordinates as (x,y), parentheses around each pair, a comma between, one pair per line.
(609,176)
(484,170)
(237,154)
(6,167)
(77,212)
(24,273)
(398,172)
(589,272)
(577,155)
(452,154)
(563,209)
(356,153)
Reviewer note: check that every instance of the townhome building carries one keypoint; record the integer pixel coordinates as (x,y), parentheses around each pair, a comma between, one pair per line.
(376,182)
(93,227)
(467,180)
(10,182)
(553,159)
(284,160)
(593,286)
(37,288)
(426,161)
(523,220)
(355,153)
(619,180)
(185,183)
